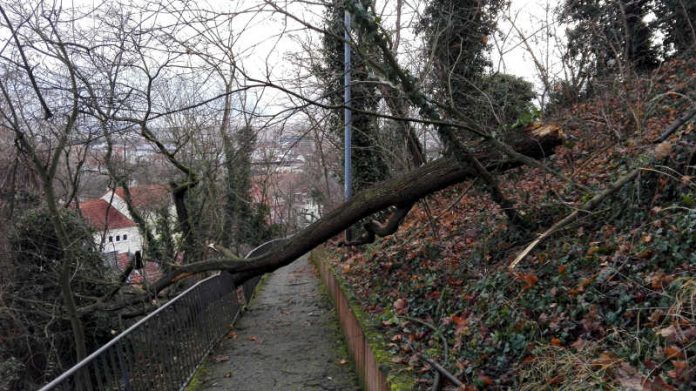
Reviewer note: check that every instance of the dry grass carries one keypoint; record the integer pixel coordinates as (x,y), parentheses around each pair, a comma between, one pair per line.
(567,369)
(683,310)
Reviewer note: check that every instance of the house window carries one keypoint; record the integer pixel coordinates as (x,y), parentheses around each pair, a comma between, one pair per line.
(118,237)
(111,238)
(125,237)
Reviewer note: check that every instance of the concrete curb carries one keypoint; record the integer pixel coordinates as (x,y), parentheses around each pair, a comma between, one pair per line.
(366,346)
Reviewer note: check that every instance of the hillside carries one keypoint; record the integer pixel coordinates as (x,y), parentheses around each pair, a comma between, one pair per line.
(607,303)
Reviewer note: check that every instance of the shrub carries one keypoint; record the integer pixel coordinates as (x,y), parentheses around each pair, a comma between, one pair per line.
(37,334)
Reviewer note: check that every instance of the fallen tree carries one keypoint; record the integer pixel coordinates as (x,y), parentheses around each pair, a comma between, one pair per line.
(402,190)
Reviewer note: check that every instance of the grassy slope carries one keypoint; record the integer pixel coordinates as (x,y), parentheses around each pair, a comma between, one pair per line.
(608,303)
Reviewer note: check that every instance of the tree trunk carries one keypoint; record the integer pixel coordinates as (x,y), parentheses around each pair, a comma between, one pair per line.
(402,190)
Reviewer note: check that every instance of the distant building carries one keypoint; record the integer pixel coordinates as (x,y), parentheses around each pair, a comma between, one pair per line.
(281,180)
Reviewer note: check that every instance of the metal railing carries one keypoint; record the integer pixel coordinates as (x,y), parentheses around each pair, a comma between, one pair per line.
(163,350)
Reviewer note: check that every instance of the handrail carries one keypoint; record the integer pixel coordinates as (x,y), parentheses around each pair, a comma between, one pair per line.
(118,364)
(117,338)
(269,244)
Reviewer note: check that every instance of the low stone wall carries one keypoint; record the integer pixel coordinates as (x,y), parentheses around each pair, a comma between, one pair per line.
(367,347)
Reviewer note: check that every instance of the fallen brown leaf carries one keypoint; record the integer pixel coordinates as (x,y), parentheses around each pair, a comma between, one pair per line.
(672,351)
(220,358)
(605,360)
(400,305)
(629,378)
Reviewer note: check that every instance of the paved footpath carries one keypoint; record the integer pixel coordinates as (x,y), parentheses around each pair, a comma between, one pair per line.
(287,340)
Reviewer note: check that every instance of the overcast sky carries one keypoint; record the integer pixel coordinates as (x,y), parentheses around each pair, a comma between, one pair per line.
(275,38)
(268,39)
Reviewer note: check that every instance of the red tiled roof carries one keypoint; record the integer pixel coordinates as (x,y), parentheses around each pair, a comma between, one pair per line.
(147,196)
(100,216)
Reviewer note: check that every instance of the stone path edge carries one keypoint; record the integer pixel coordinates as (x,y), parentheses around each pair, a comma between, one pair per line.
(365,345)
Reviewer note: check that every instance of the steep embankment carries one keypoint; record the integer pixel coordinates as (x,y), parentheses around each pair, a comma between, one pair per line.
(609,302)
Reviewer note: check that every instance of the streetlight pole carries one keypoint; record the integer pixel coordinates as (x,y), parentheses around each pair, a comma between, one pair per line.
(347,114)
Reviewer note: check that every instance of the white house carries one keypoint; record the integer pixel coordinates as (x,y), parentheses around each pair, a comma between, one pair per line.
(116,234)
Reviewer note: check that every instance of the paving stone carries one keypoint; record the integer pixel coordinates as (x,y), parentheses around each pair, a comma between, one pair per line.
(287,340)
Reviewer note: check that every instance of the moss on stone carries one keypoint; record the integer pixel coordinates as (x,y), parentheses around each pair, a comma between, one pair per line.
(197,379)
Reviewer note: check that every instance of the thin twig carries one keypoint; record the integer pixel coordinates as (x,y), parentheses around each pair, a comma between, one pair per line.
(443,371)
(587,206)
(47,112)
(676,125)
(436,330)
